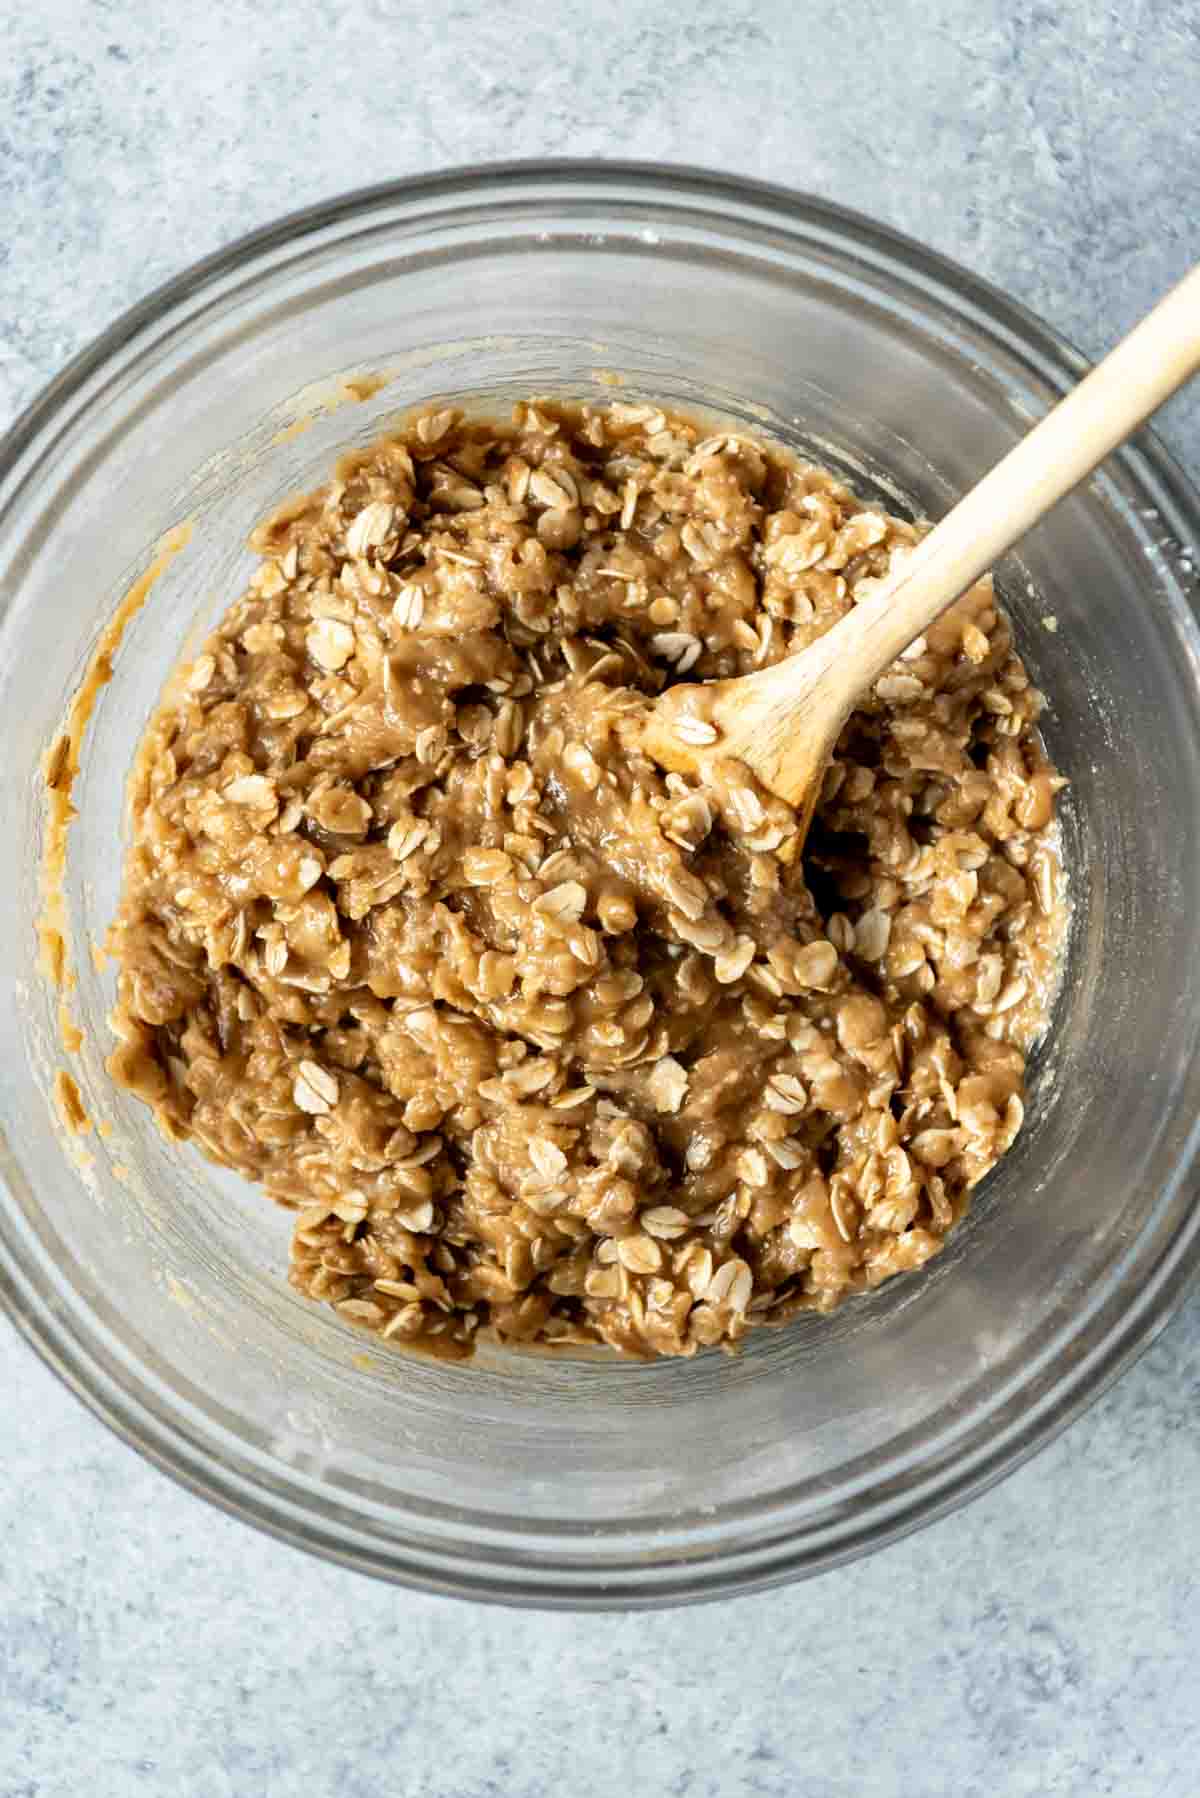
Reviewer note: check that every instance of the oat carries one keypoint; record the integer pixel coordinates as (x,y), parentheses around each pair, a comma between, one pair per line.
(330,644)
(201,673)
(254,790)
(434,425)
(370,528)
(314,1090)
(406,837)
(568,1101)
(752,1168)
(785,1153)
(1011,995)
(786,1094)
(540,1041)
(484,867)
(564,902)
(408,608)
(351,1207)
(640,1254)
(667,1084)
(688,821)
(731,1285)
(688,894)
(816,965)
(547,1158)
(679,648)
(418,1218)
(901,689)
(747,808)
(732,963)
(585,946)
(665,1221)
(696,732)
(550,492)
(430,744)
(872,933)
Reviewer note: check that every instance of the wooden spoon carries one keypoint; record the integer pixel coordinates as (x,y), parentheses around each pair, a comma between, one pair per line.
(784,722)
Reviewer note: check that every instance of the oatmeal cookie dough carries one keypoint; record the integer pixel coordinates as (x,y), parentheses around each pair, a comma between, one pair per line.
(533,1038)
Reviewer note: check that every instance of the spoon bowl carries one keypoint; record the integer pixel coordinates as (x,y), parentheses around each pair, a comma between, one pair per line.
(783,721)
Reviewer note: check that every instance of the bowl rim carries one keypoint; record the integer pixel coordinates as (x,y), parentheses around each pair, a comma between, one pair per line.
(1113,1335)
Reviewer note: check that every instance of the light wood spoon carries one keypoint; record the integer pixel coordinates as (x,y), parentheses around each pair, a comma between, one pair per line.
(784,722)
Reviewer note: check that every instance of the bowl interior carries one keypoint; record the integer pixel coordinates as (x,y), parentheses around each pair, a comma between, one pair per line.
(158,1284)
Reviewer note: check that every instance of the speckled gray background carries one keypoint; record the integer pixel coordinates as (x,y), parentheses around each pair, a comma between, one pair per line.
(1046,1641)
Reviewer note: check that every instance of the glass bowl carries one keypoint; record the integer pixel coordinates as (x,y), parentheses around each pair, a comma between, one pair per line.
(155,1286)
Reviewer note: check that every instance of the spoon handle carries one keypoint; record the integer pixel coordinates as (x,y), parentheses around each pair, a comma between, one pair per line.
(1144,369)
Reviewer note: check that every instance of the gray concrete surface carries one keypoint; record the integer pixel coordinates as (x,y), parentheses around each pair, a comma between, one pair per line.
(1045,1641)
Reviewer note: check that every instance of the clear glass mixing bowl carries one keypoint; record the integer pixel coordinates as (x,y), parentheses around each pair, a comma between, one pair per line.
(155,1286)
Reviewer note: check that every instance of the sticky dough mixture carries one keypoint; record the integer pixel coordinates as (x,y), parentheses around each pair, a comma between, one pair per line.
(533,1038)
